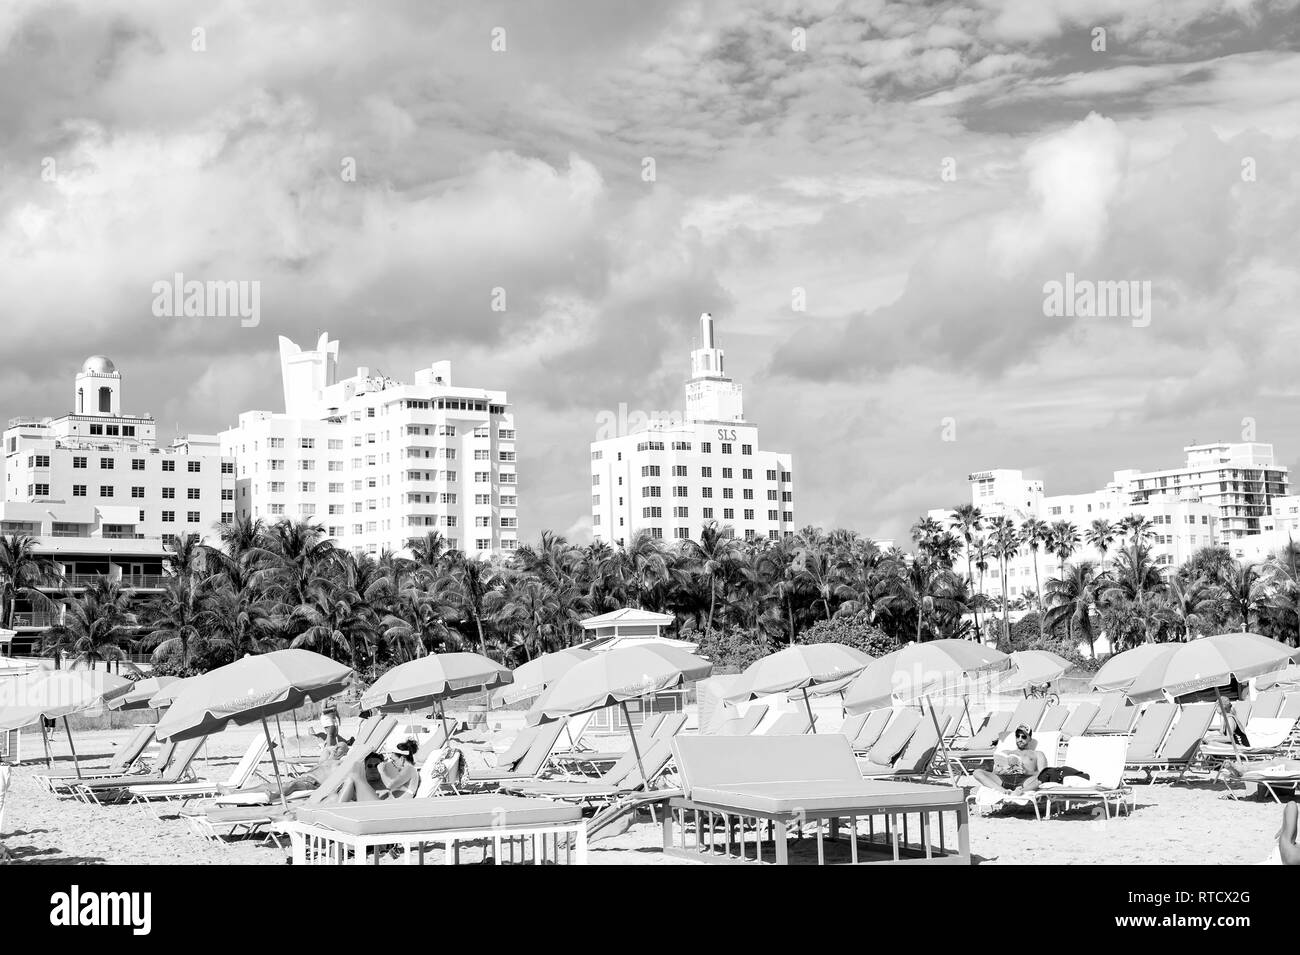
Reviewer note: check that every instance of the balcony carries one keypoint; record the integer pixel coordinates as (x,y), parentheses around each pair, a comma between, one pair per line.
(38,619)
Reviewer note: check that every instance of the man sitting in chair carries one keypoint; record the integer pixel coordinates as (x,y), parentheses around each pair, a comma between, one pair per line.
(1017,772)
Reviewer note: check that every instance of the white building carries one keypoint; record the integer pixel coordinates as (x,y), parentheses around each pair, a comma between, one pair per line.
(672,477)
(107,475)
(377,462)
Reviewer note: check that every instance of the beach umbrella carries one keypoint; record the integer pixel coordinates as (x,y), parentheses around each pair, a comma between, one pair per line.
(1034,668)
(1209,662)
(251,690)
(611,678)
(798,667)
(55,694)
(1119,672)
(428,681)
(166,695)
(533,677)
(921,670)
(141,694)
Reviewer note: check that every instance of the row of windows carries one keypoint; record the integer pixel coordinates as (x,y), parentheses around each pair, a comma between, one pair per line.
(137,464)
(111,430)
(706,471)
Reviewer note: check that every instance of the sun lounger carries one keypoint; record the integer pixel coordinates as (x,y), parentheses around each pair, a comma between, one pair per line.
(993,729)
(1102,758)
(1053,719)
(894,739)
(622,778)
(1080,718)
(872,729)
(741,798)
(987,800)
(1290,707)
(746,723)
(529,766)
(1275,778)
(981,747)
(1180,748)
(852,726)
(1121,722)
(239,777)
(1149,733)
(120,765)
(1270,739)
(789,724)
(1107,704)
(1267,705)
(915,759)
(364,833)
(178,770)
(595,762)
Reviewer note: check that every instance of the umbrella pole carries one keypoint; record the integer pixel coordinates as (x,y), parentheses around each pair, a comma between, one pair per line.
(45,740)
(635,748)
(812,723)
(947,760)
(275,763)
(1232,737)
(442,713)
(75,764)
(970,721)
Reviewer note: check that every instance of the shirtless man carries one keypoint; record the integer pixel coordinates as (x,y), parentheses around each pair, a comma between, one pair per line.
(1017,772)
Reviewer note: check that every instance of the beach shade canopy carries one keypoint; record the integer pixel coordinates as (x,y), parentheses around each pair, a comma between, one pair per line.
(249,690)
(428,681)
(943,668)
(616,676)
(1209,662)
(1034,668)
(1119,672)
(141,694)
(798,667)
(52,694)
(533,677)
(167,694)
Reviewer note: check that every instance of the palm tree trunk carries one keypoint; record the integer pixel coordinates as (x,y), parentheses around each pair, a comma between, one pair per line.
(970,580)
(713,597)
(482,644)
(1038,593)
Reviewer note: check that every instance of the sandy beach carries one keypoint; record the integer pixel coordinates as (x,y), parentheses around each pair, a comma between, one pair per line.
(1191,823)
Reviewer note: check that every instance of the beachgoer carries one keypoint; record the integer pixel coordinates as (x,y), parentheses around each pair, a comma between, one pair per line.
(384,777)
(1015,772)
(1287,846)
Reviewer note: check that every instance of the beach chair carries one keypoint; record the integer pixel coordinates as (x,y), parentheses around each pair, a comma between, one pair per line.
(987,800)
(1274,778)
(1106,707)
(852,726)
(1053,719)
(1270,740)
(1149,733)
(622,777)
(666,726)
(872,728)
(236,813)
(1080,718)
(916,759)
(120,765)
(1120,722)
(1290,707)
(529,766)
(789,724)
(1029,712)
(100,791)
(893,741)
(1102,758)
(240,776)
(744,724)
(993,729)
(741,799)
(1180,749)
(1267,705)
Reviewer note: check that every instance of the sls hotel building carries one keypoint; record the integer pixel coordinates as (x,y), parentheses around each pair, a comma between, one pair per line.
(672,477)
(378,462)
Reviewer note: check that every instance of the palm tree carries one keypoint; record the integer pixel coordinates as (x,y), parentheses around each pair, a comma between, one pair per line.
(1131,594)
(23,573)
(1063,540)
(177,613)
(1189,604)
(94,626)
(824,579)
(925,589)
(474,577)
(711,557)
(1071,598)
(1243,591)
(1036,533)
(1004,540)
(1101,534)
(967,520)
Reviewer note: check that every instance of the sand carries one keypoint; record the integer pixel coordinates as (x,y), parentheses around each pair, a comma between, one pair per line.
(1190,823)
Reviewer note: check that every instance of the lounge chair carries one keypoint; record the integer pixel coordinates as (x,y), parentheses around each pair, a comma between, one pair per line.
(988,800)
(1053,719)
(1180,748)
(883,753)
(364,833)
(1274,778)
(1242,710)
(1028,712)
(529,766)
(1121,722)
(744,724)
(239,777)
(872,729)
(852,726)
(1149,733)
(1106,707)
(1267,705)
(740,798)
(1290,707)
(666,726)
(789,724)
(121,764)
(1270,740)
(622,779)
(1102,758)
(112,789)
(993,729)
(914,762)
(213,820)
(1079,720)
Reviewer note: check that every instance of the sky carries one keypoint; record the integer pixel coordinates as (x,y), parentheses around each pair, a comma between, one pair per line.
(871,199)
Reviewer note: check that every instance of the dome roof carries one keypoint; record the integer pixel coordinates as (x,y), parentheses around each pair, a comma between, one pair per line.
(99,365)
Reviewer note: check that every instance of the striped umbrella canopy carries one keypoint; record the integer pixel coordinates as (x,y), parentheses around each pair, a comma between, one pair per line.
(252,690)
(55,694)
(1034,668)
(426,682)
(1119,672)
(936,668)
(533,677)
(1209,662)
(798,668)
(141,693)
(167,694)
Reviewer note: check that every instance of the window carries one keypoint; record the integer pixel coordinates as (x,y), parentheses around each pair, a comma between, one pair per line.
(106,463)
(78,462)
(726,448)
(482,454)
(168,517)
(192,517)
(192,493)
(96,429)
(137,491)
(78,490)
(706,447)
(227,493)
(746,449)
(707,512)
(650,470)
(169,465)
(652,512)
(681,512)
(747,474)
(482,522)
(42,460)
(595,480)
(137,464)
(335,444)
(706,472)
(680,490)
(170,492)
(306,464)
(482,477)
(227,467)
(650,490)
(106,490)
(706,492)
(749,514)
(728,513)
(483,543)
(307,443)
(728,493)
(727,473)
(771,475)
(193,466)
(42,490)
(747,493)
(275,443)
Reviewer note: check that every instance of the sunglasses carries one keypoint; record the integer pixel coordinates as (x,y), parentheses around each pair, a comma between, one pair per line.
(1022,736)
